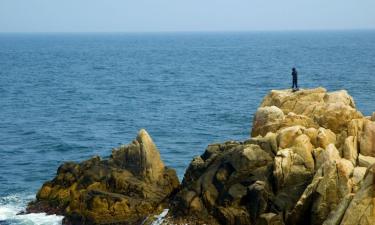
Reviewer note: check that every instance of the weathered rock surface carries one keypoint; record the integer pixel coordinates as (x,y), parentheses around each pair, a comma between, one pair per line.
(310,160)
(126,188)
(332,111)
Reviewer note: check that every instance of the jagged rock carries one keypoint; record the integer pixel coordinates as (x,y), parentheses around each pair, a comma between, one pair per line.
(292,176)
(329,186)
(341,96)
(296,102)
(323,155)
(309,161)
(270,219)
(356,127)
(267,119)
(292,119)
(235,173)
(286,136)
(358,175)
(267,143)
(361,208)
(350,149)
(373,116)
(126,188)
(365,161)
(333,111)
(367,139)
(325,137)
(335,216)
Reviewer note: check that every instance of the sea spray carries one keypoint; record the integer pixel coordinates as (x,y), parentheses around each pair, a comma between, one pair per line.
(12,205)
(160,218)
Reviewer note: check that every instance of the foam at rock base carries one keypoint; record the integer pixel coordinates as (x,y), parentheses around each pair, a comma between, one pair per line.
(13,204)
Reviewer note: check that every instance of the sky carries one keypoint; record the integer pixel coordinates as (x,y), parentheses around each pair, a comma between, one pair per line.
(184,15)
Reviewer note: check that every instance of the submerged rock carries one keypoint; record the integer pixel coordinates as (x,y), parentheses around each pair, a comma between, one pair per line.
(126,188)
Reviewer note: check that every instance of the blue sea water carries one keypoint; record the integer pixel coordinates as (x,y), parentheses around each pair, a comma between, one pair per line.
(67,97)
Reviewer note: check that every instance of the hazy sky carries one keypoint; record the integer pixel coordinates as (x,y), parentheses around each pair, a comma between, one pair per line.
(183,15)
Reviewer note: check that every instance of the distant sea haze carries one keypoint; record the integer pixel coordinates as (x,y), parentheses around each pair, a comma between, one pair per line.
(67,97)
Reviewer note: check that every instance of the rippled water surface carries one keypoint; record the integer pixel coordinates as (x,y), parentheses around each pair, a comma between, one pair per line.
(68,97)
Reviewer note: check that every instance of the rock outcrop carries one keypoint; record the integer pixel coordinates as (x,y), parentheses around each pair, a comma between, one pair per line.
(310,159)
(126,188)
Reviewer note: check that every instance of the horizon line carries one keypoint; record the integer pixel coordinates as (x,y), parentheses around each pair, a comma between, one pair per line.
(192,31)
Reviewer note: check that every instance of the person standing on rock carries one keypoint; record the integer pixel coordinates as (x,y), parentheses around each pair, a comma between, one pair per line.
(295,76)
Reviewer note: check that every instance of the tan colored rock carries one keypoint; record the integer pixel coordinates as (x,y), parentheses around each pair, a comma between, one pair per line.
(325,137)
(350,150)
(344,172)
(125,188)
(292,176)
(286,136)
(373,116)
(335,216)
(331,153)
(304,148)
(318,156)
(339,96)
(296,102)
(361,209)
(356,127)
(267,119)
(367,139)
(224,186)
(233,215)
(292,119)
(270,219)
(333,110)
(365,161)
(141,157)
(312,133)
(358,175)
(336,116)
(267,143)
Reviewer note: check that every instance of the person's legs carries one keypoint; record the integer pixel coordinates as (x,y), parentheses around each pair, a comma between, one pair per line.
(294,83)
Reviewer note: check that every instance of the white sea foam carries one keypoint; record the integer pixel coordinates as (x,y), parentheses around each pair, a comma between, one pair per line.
(159,219)
(11,205)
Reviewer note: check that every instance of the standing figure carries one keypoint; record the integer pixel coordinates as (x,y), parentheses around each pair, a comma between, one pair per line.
(295,77)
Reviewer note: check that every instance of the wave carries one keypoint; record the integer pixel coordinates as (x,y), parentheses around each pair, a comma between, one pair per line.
(13,204)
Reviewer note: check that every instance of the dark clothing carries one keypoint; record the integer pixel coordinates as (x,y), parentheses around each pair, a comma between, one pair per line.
(294,75)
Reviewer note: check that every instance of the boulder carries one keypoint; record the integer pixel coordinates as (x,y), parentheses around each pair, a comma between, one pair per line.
(286,136)
(267,143)
(325,137)
(332,111)
(365,161)
(126,188)
(341,96)
(291,177)
(224,183)
(367,139)
(267,119)
(358,175)
(270,219)
(361,208)
(296,102)
(350,149)
(292,119)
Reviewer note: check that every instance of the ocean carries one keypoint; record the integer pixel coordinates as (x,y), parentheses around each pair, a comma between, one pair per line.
(67,97)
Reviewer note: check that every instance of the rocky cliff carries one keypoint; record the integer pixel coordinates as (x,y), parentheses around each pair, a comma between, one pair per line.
(310,160)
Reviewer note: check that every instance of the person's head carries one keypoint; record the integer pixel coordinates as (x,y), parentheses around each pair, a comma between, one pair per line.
(294,69)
